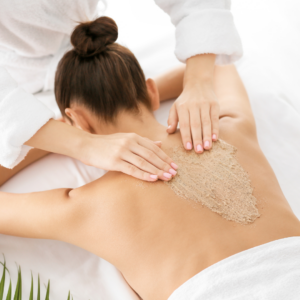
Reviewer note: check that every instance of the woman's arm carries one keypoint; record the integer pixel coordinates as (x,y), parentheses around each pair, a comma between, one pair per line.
(232,95)
(32,156)
(170,84)
(234,105)
(45,215)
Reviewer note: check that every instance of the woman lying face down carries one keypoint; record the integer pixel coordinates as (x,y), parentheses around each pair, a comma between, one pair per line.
(161,234)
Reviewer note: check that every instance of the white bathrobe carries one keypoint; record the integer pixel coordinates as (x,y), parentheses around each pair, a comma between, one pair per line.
(34,34)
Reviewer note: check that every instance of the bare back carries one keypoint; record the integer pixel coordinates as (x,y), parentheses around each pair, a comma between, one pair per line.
(159,240)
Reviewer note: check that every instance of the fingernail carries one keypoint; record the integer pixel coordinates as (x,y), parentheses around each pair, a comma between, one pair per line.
(169,126)
(199,148)
(214,137)
(167,175)
(157,142)
(173,172)
(188,146)
(174,166)
(206,144)
(153,176)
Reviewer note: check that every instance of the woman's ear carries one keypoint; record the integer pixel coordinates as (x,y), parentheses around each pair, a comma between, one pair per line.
(78,118)
(153,93)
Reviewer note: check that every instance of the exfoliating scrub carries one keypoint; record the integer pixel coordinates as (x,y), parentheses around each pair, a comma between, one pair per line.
(216,180)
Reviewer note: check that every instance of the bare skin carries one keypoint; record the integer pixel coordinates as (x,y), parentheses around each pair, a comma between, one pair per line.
(192,82)
(32,156)
(196,109)
(156,239)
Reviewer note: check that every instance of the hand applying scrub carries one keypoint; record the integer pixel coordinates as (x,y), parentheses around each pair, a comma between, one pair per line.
(197,109)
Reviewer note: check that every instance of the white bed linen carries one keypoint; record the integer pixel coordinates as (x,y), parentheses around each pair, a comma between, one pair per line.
(269,271)
(275,102)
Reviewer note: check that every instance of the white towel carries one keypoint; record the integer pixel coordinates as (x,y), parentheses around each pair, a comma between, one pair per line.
(270,271)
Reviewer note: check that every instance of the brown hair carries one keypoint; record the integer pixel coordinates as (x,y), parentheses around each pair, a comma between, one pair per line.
(99,73)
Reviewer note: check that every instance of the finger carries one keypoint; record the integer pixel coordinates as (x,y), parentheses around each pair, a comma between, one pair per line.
(152,159)
(158,143)
(196,130)
(214,115)
(172,120)
(131,170)
(148,144)
(185,130)
(206,126)
(147,167)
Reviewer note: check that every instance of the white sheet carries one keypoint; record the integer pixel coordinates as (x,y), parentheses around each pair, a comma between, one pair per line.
(269,271)
(270,73)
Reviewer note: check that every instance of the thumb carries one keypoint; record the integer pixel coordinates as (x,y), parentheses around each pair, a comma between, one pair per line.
(172,120)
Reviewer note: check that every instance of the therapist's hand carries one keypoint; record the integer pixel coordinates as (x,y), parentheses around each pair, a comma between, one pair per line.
(125,152)
(131,154)
(197,108)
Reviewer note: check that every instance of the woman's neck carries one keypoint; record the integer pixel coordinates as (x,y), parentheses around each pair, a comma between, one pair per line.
(143,124)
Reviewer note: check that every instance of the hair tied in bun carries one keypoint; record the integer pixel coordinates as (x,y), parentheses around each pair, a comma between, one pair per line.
(92,38)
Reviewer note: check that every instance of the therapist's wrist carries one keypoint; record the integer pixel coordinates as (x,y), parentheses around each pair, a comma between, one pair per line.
(199,70)
(84,144)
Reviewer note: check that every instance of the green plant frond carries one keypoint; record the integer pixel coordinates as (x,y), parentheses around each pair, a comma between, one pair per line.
(5,267)
(20,293)
(2,282)
(39,289)
(48,291)
(8,296)
(31,288)
(18,290)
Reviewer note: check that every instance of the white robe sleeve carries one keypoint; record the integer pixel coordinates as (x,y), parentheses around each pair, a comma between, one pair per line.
(203,26)
(21,116)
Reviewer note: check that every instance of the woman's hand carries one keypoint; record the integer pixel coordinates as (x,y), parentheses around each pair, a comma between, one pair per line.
(197,109)
(131,154)
(124,152)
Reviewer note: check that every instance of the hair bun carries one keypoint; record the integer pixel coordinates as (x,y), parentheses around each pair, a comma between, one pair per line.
(92,38)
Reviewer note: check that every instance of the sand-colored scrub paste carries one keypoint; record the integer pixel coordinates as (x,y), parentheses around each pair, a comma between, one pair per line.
(216,180)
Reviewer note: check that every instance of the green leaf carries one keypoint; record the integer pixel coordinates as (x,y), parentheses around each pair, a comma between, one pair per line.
(69,296)
(39,289)
(8,296)
(20,293)
(31,288)
(5,267)
(2,282)
(48,291)
(18,290)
